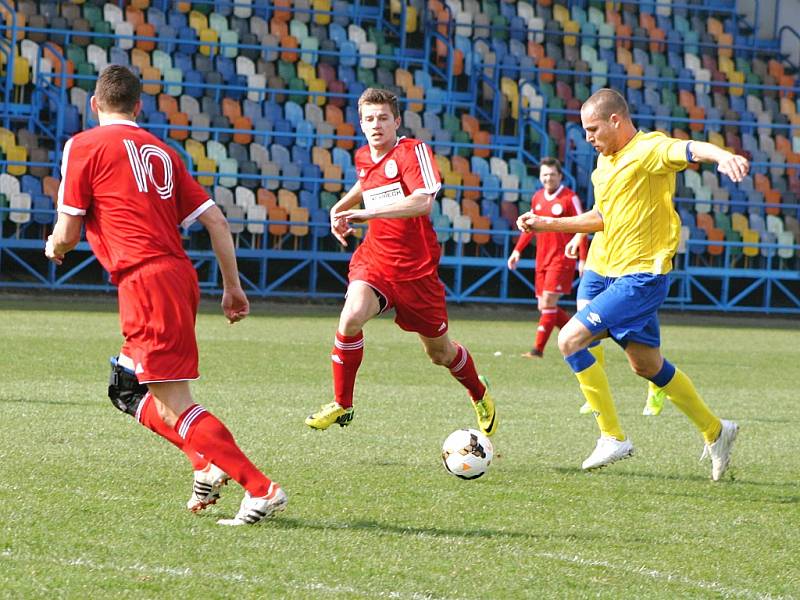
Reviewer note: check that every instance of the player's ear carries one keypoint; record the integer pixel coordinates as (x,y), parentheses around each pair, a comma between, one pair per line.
(137,108)
(93,103)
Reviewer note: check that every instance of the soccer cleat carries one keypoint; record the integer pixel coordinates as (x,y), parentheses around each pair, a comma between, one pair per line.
(207,484)
(328,415)
(655,402)
(532,353)
(254,510)
(484,409)
(608,450)
(720,450)
(586,409)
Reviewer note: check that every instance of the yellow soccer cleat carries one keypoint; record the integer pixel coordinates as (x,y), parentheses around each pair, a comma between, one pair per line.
(484,409)
(655,401)
(328,415)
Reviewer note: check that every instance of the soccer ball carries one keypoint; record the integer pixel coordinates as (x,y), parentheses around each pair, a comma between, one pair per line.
(467,453)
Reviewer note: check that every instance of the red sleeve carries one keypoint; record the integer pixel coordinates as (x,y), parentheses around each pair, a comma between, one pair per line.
(523,241)
(583,250)
(577,207)
(191,199)
(419,171)
(75,190)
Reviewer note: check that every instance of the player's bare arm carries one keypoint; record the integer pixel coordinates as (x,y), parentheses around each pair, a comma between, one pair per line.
(339,226)
(414,205)
(66,235)
(734,166)
(235,305)
(588,222)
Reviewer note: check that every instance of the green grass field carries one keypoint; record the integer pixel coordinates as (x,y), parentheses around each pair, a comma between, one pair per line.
(92,505)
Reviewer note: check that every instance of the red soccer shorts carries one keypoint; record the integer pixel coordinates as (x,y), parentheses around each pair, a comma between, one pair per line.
(157,309)
(555,281)
(419,303)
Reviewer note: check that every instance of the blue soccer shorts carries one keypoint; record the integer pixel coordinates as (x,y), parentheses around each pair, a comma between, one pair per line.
(627,307)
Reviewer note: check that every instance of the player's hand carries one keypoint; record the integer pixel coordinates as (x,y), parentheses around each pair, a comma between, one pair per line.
(49,251)
(513,260)
(235,305)
(340,228)
(358,215)
(571,249)
(528,222)
(735,167)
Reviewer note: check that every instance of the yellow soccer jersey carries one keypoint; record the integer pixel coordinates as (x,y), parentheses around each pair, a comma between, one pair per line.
(633,191)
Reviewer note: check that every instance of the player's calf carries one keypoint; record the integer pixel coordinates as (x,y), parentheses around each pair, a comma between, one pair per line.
(124,389)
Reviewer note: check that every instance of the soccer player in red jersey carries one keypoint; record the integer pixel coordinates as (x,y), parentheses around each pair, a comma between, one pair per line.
(396,266)
(556,253)
(132,191)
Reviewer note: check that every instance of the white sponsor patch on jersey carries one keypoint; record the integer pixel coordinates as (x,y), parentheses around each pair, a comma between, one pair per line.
(557,209)
(390,170)
(383,196)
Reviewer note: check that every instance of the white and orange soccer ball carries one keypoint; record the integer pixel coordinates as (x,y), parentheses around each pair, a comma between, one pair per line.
(467,453)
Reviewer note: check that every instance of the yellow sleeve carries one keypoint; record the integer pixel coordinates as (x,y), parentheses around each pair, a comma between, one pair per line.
(666,155)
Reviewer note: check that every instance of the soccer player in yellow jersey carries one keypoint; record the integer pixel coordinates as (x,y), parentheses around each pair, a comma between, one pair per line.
(637,229)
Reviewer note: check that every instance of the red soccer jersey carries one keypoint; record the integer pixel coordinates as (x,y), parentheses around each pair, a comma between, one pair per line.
(133,190)
(550,245)
(401,249)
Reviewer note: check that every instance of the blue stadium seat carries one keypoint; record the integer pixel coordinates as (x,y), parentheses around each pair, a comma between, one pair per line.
(186,35)
(311,171)
(282,126)
(301,155)
(167,35)
(193,83)
(293,113)
(252,110)
(341,158)
(183,61)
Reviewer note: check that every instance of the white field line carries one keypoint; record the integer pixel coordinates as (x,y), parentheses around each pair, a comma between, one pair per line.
(232,577)
(326,589)
(654,574)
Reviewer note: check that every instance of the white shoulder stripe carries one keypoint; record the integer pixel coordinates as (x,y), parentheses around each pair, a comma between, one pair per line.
(425,166)
(64,159)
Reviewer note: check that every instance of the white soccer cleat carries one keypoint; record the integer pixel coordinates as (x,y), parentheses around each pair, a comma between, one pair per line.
(254,510)
(207,484)
(720,450)
(608,450)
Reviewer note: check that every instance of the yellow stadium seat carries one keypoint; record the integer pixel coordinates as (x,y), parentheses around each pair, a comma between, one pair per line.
(726,65)
(560,13)
(208,35)
(20,154)
(306,72)
(207,165)
(322,5)
(195,149)
(412,19)
(6,139)
(510,89)
(198,21)
(736,77)
(571,27)
(449,180)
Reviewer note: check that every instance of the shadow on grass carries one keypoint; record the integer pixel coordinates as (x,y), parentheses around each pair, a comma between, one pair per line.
(4,400)
(441,532)
(730,482)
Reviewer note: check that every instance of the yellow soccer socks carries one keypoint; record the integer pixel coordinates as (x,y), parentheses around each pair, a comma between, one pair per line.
(594,385)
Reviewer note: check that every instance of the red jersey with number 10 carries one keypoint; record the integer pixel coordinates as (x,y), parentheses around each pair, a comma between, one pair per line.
(550,244)
(133,191)
(400,249)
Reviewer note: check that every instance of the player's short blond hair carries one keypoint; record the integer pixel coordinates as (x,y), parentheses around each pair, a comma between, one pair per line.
(117,89)
(379,96)
(606,102)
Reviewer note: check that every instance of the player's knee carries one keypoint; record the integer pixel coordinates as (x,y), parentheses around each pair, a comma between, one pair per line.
(643,369)
(567,342)
(124,390)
